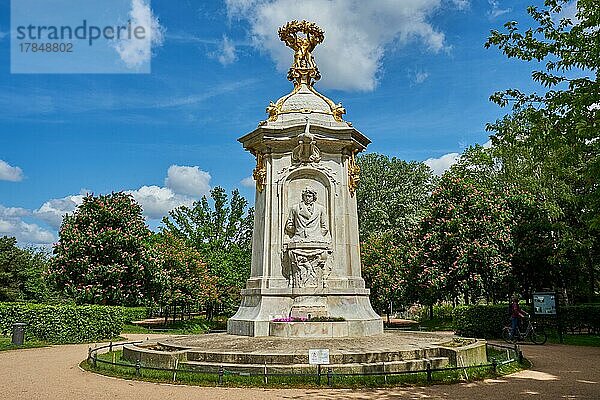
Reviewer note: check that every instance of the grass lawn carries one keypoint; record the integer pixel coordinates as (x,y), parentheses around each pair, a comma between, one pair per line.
(194,326)
(575,340)
(6,343)
(436,324)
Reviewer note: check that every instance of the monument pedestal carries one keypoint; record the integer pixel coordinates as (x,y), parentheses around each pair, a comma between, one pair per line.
(261,306)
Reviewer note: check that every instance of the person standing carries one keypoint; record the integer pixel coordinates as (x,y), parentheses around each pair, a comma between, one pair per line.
(515,315)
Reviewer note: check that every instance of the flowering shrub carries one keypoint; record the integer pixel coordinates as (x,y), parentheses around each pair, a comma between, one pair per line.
(103,254)
(465,243)
(290,319)
(313,319)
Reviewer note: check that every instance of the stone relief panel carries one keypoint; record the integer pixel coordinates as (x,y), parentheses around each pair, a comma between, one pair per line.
(307,250)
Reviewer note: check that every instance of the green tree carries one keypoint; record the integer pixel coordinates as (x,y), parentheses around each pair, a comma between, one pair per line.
(186,279)
(510,171)
(464,243)
(555,134)
(22,272)
(104,256)
(392,194)
(223,236)
(387,271)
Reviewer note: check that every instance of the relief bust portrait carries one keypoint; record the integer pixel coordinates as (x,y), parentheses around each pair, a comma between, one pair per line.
(307,221)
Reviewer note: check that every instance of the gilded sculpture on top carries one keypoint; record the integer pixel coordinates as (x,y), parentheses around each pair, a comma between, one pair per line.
(302,37)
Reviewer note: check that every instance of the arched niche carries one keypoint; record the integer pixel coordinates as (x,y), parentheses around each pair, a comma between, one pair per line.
(291,194)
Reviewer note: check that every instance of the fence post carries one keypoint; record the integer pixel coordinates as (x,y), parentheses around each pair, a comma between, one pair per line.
(329,376)
(429,377)
(138,368)
(266,375)
(89,353)
(221,373)
(110,347)
(175,369)
(494,365)
(318,374)
(383,370)
(518,353)
(94,355)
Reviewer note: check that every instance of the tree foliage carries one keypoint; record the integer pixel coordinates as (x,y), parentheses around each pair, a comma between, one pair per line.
(464,242)
(392,194)
(222,234)
(22,272)
(387,271)
(186,279)
(103,255)
(549,145)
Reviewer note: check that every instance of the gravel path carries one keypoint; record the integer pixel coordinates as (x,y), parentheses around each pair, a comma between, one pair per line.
(559,372)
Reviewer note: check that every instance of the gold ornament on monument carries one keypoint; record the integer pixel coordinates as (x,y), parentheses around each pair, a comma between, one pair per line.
(260,172)
(302,37)
(353,174)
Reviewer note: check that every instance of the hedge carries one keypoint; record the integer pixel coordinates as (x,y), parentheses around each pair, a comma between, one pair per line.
(581,317)
(67,323)
(131,314)
(487,321)
(480,320)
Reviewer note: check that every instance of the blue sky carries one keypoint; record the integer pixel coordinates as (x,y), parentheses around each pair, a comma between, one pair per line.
(413,75)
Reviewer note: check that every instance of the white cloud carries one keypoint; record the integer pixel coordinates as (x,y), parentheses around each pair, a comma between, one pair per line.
(461,4)
(496,9)
(12,224)
(10,173)
(248,182)
(226,54)
(190,181)
(24,232)
(184,185)
(158,201)
(443,163)
(13,212)
(135,52)
(357,33)
(53,211)
(568,11)
(418,77)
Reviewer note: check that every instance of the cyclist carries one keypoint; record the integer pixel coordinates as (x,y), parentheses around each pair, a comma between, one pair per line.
(515,315)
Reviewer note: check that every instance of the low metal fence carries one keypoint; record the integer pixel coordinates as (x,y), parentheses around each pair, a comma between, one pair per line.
(503,355)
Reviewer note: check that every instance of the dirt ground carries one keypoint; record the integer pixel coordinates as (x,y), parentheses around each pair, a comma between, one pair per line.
(559,372)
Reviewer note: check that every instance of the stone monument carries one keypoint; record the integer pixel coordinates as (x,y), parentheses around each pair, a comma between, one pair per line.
(305,248)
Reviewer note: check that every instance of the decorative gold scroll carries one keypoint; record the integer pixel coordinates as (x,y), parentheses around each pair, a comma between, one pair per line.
(353,174)
(260,172)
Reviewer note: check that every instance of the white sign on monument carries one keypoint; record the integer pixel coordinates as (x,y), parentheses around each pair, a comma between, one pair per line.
(318,356)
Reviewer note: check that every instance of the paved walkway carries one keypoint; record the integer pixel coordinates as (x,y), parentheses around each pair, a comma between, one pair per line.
(559,372)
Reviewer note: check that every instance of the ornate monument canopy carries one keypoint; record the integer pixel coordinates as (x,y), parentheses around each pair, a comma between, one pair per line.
(304,100)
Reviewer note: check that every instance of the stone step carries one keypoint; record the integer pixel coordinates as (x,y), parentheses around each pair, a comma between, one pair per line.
(339,357)
(393,366)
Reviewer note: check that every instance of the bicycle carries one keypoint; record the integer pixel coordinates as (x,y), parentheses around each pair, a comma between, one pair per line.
(537,337)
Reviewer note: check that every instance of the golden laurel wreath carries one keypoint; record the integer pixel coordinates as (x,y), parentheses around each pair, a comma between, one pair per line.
(289,31)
